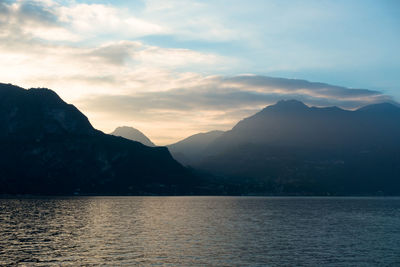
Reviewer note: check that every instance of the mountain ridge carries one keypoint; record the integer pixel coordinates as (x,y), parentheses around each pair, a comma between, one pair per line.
(133,134)
(49,147)
(190,148)
(313,149)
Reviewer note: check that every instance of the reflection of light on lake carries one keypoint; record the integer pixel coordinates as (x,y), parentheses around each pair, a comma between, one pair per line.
(202,231)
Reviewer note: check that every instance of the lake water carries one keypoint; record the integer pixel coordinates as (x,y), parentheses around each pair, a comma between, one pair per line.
(200,231)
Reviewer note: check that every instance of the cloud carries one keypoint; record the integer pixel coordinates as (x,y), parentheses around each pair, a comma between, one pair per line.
(191,20)
(41,44)
(113,67)
(72,21)
(219,102)
(96,20)
(24,21)
(93,57)
(222,93)
(51,21)
(315,89)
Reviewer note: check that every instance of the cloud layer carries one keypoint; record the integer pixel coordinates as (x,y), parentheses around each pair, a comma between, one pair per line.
(219,102)
(32,53)
(96,56)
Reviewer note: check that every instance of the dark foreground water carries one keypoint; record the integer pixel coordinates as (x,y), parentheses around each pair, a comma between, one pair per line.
(200,231)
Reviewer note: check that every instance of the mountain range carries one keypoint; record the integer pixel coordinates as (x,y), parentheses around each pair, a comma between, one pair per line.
(291,148)
(49,147)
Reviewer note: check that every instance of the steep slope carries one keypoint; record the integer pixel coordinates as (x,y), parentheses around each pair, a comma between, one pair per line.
(295,148)
(133,134)
(48,147)
(190,149)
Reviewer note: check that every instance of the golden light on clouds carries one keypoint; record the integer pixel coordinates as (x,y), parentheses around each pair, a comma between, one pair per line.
(94,56)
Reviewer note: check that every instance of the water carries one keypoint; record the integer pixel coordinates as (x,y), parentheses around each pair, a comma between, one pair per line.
(200,231)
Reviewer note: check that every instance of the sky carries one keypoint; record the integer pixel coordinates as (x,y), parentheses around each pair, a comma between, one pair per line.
(172,68)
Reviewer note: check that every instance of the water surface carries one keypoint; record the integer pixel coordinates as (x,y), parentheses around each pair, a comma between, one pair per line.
(200,231)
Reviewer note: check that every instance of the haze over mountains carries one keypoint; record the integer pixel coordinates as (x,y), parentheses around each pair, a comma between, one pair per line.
(290,147)
(191,149)
(133,134)
(49,147)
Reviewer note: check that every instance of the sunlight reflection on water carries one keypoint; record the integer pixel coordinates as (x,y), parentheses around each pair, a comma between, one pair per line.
(200,231)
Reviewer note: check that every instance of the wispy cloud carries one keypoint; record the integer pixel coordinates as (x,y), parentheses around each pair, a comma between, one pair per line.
(26,20)
(97,20)
(191,20)
(51,21)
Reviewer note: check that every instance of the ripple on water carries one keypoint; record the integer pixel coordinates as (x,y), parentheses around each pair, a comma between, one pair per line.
(200,231)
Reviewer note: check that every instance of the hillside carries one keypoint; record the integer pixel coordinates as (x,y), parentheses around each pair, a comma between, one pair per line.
(190,150)
(49,147)
(292,148)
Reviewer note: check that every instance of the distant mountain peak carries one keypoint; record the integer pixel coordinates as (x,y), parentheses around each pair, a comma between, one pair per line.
(383,107)
(132,134)
(290,104)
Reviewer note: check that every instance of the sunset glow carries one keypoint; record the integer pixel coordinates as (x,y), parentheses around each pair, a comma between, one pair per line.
(173,69)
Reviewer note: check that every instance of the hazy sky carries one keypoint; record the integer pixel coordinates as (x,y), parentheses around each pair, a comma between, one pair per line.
(174,68)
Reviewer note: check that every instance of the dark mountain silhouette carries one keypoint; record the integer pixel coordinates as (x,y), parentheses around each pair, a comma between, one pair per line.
(133,134)
(292,148)
(49,147)
(190,149)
